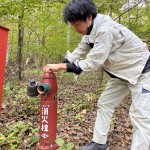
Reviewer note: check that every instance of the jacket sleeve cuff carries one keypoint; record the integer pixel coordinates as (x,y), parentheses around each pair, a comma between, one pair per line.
(66,60)
(71,67)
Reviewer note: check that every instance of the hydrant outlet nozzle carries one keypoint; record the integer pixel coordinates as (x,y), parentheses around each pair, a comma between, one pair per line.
(44,88)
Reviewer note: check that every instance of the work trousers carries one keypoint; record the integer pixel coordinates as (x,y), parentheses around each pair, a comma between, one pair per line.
(115,91)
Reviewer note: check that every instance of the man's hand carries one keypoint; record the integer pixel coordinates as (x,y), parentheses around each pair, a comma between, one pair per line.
(55,67)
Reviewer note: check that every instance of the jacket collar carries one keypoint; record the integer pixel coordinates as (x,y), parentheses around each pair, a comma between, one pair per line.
(97,23)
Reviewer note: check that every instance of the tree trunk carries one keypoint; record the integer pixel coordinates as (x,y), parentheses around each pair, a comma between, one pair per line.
(20,46)
(110,11)
(129,14)
(119,16)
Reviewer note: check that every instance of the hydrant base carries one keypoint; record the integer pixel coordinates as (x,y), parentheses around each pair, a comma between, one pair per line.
(41,147)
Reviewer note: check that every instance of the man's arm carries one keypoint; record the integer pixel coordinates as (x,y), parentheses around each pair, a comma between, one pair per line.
(55,67)
(69,67)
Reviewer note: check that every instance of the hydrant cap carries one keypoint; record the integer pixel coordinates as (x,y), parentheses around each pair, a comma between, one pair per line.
(32,88)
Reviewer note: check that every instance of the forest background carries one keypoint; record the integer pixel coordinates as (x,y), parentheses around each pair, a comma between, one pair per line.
(39,36)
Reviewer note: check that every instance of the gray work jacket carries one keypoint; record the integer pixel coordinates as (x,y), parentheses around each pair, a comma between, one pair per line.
(118,50)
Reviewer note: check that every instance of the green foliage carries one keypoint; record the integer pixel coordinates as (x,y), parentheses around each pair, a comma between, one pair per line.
(44,36)
(105,6)
(21,104)
(13,135)
(63,146)
(80,104)
(80,117)
(32,141)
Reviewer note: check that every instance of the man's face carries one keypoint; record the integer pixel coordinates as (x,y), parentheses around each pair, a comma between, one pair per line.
(82,26)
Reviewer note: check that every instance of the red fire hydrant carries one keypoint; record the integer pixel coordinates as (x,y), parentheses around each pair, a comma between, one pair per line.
(48,110)
(3,48)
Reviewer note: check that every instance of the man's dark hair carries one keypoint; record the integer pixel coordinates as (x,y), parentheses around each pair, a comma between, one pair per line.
(79,10)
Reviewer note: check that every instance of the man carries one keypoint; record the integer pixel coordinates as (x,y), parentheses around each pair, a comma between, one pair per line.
(124,57)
